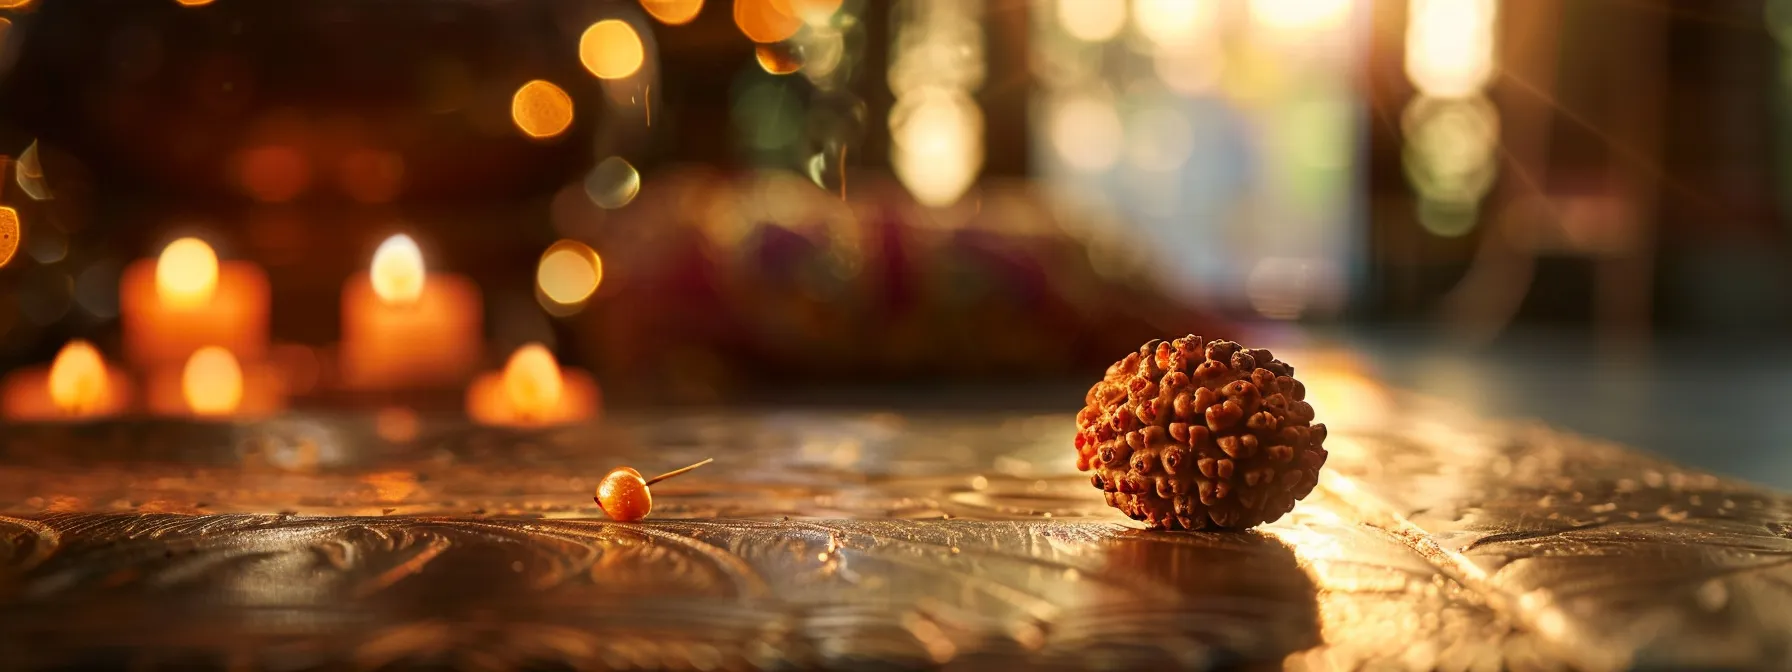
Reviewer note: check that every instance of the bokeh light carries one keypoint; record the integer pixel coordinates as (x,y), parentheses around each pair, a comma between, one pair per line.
(823,52)
(766,21)
(540,109)
(398,273)
(937,144)
(78,378)
(10,235)
(1450,147)
(612,183)
(1173,23)
(371,176)
(1320,131)
(30,174)
(673,12)
(1299,15)
(815,12)
(1778,17)
(1190,68)
(212,382)
(782,58)
(1279,288)
(1086,132)
(1450,159)
(768,114)
(273,174)
(1159,138)
(569,272)
(1092,20)
(1449,46)
(944,53)
(14,4)
(532,381)
(397,424)
(610,49)
(194,3)
(301,367)
(186,273)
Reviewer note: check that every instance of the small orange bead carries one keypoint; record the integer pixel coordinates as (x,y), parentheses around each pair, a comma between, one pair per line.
(623,495)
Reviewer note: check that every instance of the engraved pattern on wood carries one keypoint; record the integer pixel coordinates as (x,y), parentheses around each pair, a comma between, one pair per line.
(843,539)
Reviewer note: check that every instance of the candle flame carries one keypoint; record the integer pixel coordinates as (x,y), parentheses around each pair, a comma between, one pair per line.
(78,379)
(398,273)
(532,381)
(187,273)
(212,382)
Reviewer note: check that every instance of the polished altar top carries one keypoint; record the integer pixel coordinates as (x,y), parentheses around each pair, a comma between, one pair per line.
(837,539)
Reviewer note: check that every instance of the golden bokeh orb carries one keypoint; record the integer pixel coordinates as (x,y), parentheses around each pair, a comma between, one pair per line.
(212,382)
(78,378)
(10,233)
(611,49)
(540,109)
(673,12)
(766,21)
(569,272)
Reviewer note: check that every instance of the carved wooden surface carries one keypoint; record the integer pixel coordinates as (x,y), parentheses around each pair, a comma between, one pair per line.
(852,540)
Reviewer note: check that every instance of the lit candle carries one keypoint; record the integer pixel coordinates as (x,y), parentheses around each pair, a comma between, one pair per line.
(186,299)
(532,390)
(403,327)
(78,385)
(212,383)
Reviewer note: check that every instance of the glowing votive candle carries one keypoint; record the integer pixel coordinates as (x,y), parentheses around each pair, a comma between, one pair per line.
(214,384)
(77,386)
(186,299)
(405,328)
(532,390)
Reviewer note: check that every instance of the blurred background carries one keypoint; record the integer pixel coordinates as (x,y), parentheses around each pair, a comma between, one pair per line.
(1568,210)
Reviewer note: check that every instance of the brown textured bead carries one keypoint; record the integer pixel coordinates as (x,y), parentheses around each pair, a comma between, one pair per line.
(1197,434)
